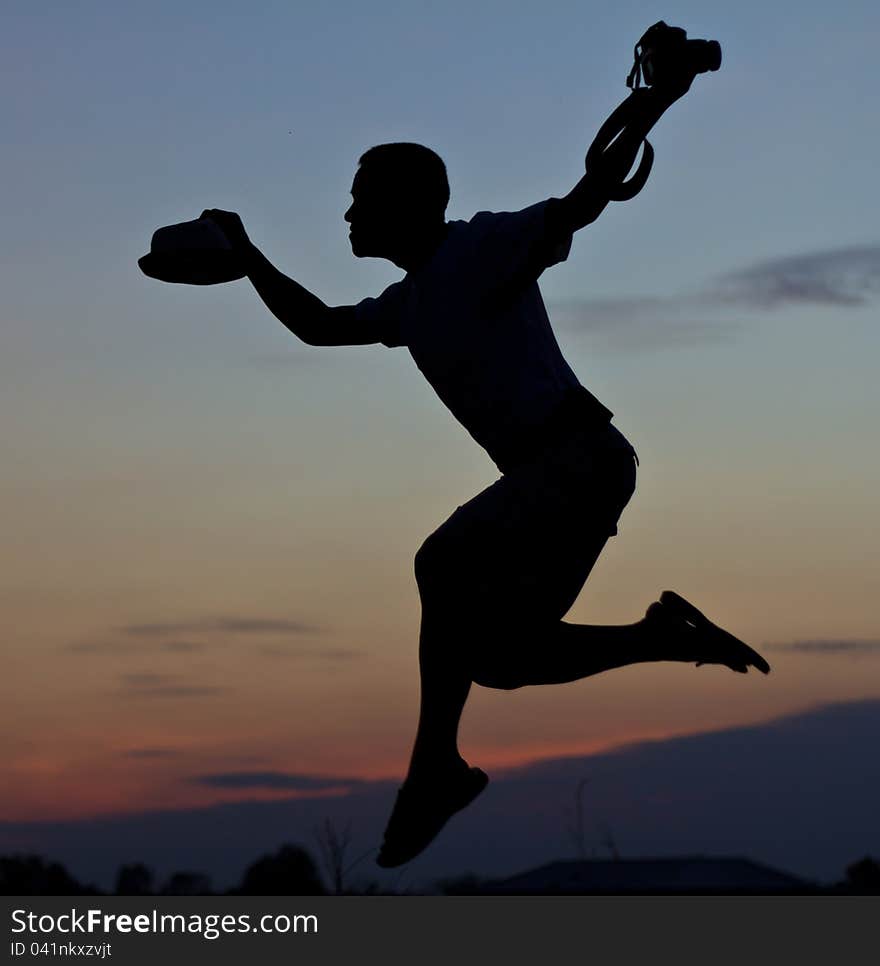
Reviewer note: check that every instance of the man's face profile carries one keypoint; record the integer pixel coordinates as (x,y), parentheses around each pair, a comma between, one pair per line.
(375,216)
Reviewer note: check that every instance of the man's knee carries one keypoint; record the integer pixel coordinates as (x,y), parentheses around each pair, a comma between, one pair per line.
(425,563)
(439,570)
(494,658)
(498,678)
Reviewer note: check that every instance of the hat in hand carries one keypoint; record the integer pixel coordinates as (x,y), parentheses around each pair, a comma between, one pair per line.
(193,253)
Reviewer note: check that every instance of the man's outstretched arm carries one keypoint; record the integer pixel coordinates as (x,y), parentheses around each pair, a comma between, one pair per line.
(303,313)
(590,196)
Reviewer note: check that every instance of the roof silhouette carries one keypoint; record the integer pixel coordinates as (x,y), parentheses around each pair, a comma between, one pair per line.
(687,874)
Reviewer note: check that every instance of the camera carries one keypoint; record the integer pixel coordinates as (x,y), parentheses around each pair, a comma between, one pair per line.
(664,57)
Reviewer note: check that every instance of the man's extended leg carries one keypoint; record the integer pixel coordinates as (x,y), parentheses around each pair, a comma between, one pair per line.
(439,781)
(495,581)
(460,596)
(517,548)
(445,684)
(506,656)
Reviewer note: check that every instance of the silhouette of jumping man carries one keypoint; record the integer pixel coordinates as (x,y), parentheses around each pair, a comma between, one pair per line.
(496,579)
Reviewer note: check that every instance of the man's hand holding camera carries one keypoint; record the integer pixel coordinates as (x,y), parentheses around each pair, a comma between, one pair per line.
(668,63)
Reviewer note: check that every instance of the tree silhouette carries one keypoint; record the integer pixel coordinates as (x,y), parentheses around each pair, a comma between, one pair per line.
(333,846)
(291,871)
(577,827)
(31,875)
(187,884)
(864,875)
(134,880)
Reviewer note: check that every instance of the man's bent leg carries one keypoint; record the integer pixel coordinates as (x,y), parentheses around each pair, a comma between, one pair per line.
(560,653)
(566,652)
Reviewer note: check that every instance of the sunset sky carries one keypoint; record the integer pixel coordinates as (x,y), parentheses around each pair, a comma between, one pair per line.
(209,527)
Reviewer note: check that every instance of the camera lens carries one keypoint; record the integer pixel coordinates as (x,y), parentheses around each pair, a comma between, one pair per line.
(704,55)
(713,54)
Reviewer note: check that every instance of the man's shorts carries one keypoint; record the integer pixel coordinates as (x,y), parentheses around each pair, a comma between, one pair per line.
(524,546)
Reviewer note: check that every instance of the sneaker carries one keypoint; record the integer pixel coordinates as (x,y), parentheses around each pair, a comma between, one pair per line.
(420,812)
(714,645)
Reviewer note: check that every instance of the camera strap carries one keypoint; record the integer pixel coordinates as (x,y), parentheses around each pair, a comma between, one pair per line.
(642,69)
(634,77)
(615,124)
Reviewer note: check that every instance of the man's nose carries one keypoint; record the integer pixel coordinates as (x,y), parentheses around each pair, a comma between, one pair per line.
(347,215)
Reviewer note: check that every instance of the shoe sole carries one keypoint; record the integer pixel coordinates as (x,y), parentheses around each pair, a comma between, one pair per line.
(686,610)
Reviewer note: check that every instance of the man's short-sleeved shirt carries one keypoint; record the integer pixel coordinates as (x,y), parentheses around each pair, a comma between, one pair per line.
(475,323)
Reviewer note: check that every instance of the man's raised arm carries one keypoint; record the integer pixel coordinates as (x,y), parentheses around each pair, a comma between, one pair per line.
(589,197)
(303,313)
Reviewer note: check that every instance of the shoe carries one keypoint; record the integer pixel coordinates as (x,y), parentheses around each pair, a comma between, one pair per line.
(420,812)
(721,647)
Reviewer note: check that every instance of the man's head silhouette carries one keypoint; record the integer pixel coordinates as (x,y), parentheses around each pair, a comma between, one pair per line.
(399,197)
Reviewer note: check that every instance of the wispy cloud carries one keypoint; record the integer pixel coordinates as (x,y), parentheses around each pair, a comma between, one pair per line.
(128,647)
(221,625)
(147,684)
(645,324)
(313,653)
(178,637)
(841,278)
(275,780)
(855,647)
(150,753)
